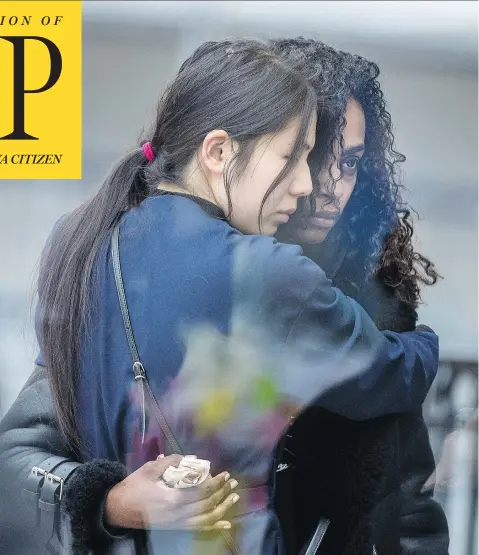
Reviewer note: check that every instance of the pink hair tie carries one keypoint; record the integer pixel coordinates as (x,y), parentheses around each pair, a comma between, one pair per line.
(150,155)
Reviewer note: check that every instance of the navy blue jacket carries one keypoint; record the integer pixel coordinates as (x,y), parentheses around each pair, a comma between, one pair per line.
(185,267)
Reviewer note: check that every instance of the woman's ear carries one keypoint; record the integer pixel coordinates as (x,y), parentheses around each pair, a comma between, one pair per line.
(215,151)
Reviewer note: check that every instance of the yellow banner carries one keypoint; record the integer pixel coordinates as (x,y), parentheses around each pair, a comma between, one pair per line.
(40,90)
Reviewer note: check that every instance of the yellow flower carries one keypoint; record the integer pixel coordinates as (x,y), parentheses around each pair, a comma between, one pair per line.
(215,410)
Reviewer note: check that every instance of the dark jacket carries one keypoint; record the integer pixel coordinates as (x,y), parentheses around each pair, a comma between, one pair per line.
(365,477)
(29,436)
(296,301)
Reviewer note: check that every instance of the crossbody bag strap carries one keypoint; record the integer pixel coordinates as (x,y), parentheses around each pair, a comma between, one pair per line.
(115,252)
(138,368)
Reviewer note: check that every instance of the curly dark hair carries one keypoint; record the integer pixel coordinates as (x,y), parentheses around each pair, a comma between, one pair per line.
(375,231)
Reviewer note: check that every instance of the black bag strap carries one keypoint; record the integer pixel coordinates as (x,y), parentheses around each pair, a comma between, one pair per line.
(115,251)
(138,368)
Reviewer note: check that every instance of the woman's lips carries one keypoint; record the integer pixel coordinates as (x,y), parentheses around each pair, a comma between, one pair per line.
(323,220)
(282,217)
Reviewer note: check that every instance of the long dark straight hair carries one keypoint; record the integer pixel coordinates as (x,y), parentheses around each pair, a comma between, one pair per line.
(236,85)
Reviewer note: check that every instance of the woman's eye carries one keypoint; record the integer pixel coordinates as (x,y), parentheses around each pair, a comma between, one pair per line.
(350,164)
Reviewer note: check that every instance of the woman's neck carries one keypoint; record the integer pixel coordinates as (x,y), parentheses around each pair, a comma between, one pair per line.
(173,188)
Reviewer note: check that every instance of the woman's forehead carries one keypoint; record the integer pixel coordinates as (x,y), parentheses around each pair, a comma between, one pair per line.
(355,129)
(354,132)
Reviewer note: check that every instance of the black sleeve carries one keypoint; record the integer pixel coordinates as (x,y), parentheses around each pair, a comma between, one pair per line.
(423,525)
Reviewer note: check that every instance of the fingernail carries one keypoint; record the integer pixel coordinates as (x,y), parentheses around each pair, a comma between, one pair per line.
(227,477)
(227,526)
(235,498)
(233,484)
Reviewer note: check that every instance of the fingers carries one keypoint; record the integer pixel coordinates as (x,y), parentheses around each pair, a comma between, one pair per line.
(205,490)
(206,505)
(220,525)
(208,519)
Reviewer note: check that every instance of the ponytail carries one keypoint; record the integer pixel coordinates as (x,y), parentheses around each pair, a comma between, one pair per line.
(65,284)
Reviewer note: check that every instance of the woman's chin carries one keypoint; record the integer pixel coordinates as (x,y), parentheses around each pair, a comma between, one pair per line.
(311,235)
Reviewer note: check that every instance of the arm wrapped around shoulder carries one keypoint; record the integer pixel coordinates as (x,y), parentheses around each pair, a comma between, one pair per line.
(327,348)
(375,373)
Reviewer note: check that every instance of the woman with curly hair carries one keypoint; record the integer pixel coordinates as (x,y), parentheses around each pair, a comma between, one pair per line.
(358,234)
(367,477)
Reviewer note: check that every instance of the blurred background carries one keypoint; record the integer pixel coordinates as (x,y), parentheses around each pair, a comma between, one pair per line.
(427,53)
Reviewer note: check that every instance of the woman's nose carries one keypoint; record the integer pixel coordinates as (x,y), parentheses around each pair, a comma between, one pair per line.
(302,186)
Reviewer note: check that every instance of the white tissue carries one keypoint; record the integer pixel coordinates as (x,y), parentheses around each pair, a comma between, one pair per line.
(175,476)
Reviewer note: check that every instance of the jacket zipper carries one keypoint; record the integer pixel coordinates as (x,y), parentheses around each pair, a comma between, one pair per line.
(318,537)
